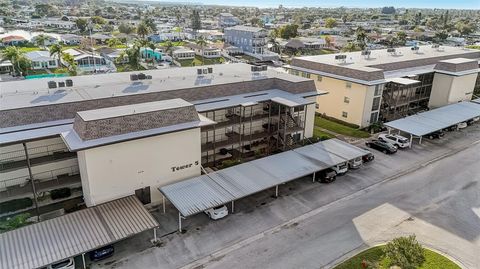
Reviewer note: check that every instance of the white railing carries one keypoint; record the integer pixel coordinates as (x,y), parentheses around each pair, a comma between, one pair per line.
(43,176)
(34,152)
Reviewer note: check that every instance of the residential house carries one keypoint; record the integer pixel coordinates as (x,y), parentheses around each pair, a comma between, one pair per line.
(207,51)
(13,40)
(71,39)
(89,61)
(182,53)
(252,41)
(227,20)
(42,60)
(50,40)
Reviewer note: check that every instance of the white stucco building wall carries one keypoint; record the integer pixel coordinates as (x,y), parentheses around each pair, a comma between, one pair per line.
(114,171)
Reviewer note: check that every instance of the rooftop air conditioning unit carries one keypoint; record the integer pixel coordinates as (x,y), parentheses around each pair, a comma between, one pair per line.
(210,70)
(435,46)
(415,49)
(133,77)
(341,58)
(52,84)
(61,84)
(69,82)
(148,77)
(264,68)
(199,71)
(392,51)
(366,54)
(142,76)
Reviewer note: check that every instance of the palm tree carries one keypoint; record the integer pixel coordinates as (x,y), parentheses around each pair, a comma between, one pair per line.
(168,47)
(56,52)
(202,43)
(361,38)
(17,58)
(71,63)
(143,29)
(40,40)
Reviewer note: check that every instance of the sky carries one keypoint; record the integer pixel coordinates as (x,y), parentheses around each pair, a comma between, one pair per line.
(446,4)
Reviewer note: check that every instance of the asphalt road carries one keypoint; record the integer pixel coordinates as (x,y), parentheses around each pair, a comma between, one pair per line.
(440,203)
(314,225)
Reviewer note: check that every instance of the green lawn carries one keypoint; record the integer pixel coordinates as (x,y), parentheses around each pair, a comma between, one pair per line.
(175,44)
(198,61)
(340,128)
(321,134)
(375,254)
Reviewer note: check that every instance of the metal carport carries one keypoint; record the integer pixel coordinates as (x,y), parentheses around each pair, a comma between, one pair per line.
(342,149)
(436,119)
(195,195)
(77,233)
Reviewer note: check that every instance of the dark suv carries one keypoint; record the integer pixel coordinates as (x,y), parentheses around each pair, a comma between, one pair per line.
(435,135)
(326,176)
(101,253)
(382,146)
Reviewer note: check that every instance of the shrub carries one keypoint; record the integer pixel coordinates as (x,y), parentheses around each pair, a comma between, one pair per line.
(405,252)
(351,125)
(15,222)
(228,163)
(14,205)
(60,193)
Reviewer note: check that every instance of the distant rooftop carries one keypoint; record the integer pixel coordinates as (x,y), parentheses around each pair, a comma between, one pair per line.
(245,28)
(372,67)
(29,102)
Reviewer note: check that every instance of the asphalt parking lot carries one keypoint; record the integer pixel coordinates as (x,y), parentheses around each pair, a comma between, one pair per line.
(256,214)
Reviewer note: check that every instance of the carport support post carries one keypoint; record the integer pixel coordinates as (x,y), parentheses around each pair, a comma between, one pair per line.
(276,191)
(420,140)
(411,140)
(83,260)
(155,235)
(163,203)
(233,206)
(313,178)
(179,222)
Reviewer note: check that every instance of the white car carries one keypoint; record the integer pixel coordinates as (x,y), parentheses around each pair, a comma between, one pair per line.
(65,264)
(396,140)
(217,212)
(462,125)
(341,168)
(355,163)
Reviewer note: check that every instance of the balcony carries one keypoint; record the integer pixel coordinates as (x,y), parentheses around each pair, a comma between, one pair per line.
(10,164)
(234,138)
(60,178)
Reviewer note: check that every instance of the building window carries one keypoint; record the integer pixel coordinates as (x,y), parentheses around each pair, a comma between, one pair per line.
(346,100)
(319,78)
(344,114)
(376,103)
(51,62)
(349,85)
(305,75)
(373,117)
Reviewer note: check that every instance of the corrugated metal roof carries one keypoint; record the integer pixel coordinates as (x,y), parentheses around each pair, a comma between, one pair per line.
(436,119)
(70,235)
(195,195)
(321,157)
(342,149)
(476,101)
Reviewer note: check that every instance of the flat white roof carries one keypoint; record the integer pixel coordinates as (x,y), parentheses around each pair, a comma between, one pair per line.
(403,81)
(34,92)
(436,119)
(119,111)
(355,60)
